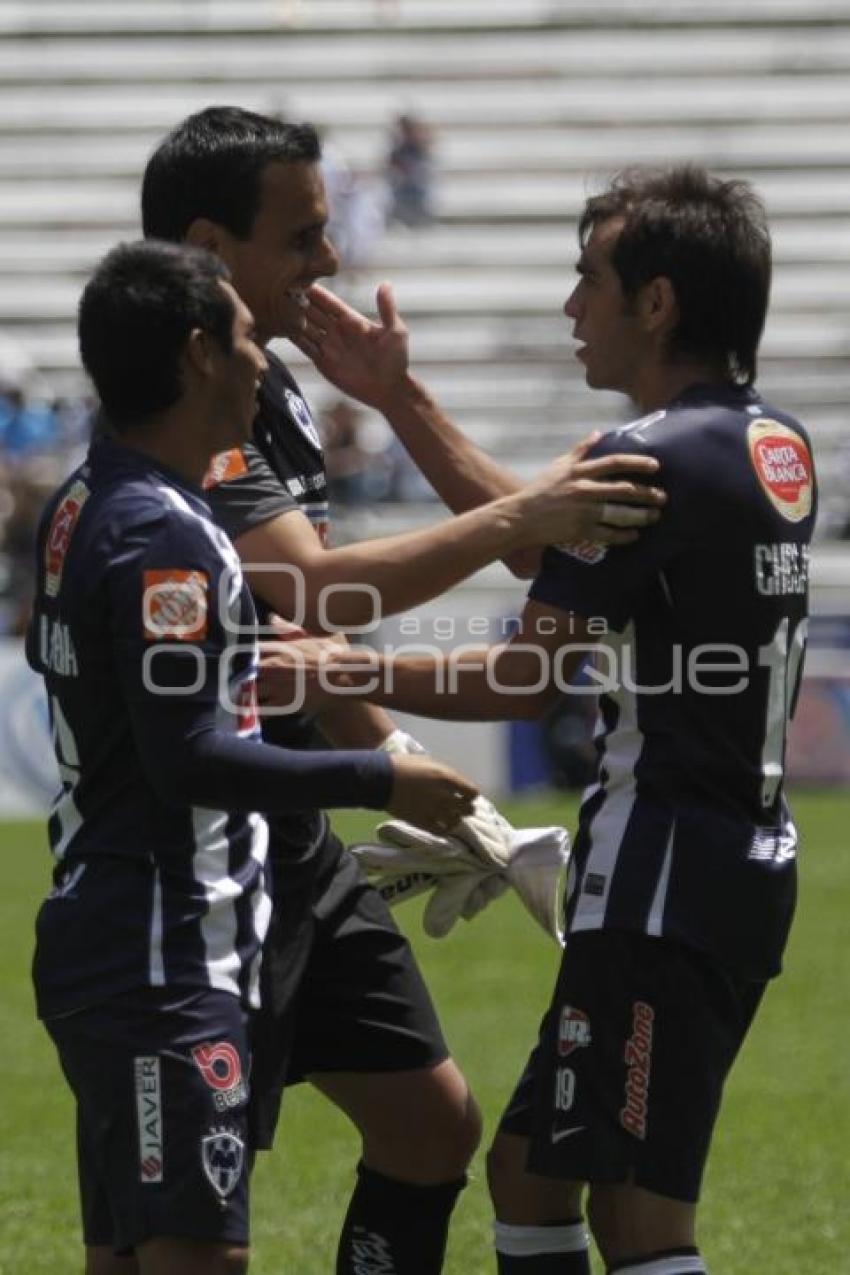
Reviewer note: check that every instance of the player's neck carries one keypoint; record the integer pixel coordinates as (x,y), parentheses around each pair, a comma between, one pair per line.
(176,440)
(658,384)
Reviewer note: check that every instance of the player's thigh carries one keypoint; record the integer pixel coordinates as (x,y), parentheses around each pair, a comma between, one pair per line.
(101,1260)
(629,1221)
(419,1126)
(191,1257)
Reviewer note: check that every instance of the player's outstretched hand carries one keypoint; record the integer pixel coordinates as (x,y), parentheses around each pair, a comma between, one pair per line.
(364,359)
(607,499)
(428,793)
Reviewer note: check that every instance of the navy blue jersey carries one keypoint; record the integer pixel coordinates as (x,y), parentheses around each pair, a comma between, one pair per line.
(144,633)
(702,630)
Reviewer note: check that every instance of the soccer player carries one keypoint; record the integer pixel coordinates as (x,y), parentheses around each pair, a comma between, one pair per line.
(346,1006)
(148,946)
(683,879)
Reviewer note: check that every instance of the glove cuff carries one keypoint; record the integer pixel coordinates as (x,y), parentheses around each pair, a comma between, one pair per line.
(399,742)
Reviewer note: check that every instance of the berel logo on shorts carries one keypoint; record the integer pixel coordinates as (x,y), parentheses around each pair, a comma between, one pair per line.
(638,1059)
(223,1159)
(174,605)
(221,1068)
(149,1117)
(783,466)
(224,467)
(573,1031)
(61,529)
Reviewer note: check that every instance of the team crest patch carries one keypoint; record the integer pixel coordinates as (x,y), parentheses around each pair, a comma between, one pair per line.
(783,466)
(223,1159)
(224,467)
(590,552)
(300,413)
(174,605)
(573,1030)
(62,526)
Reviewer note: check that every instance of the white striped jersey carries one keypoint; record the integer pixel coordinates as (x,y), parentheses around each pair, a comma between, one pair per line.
(702,629)
(140,593)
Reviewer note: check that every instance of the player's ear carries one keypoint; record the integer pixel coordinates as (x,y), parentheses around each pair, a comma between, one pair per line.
(198,354)
(658,305)
(203,233)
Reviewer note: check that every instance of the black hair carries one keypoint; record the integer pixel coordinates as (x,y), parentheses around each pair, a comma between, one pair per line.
(211,165)
(135,317)
(710,239)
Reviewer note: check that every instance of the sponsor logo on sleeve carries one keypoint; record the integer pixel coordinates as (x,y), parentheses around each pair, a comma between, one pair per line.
(59,535)
(175,605)
(638,1059)
(223,1159)
(247,719)
(221,1068)
(149,1118)
(573,1031)
(783,467)
(224,467)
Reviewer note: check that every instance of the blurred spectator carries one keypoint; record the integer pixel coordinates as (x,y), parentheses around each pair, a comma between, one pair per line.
(410,172)
(355,207)
(25,428)
(356,474)
(25,488)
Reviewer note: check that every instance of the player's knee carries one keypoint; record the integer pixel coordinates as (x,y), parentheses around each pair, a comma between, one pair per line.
(627,1221)
(235,1260)
(505,1164)
(451,1136)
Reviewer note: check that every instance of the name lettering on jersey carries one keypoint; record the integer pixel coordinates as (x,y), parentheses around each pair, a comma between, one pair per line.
(175,605)
(224,467)
(573,1031)
(149,1117)
(589,552)
(783,466)
(59,535)
(782,569)
(638,1060)
(221,1068)
(300,413)
(56,650)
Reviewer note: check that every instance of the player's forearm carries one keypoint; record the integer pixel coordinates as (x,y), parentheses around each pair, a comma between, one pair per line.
(472,685)
(345,585)
(461,473)
(354,724)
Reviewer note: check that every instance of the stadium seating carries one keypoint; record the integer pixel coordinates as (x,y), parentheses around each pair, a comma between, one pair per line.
(533,103)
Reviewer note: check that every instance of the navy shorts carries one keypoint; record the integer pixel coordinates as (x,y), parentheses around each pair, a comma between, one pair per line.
(626,1078)
(340,988)
(162,1098)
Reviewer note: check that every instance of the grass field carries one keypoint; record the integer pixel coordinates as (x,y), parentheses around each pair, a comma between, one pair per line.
(775,1199)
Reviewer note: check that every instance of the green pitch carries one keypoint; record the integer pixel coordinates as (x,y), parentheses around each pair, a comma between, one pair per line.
(776,1192)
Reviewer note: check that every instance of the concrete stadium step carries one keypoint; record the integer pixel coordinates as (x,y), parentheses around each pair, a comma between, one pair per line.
(556,54)
(85,17)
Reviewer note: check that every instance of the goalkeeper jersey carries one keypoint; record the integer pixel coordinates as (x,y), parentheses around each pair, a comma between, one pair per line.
(144,633)
(702,629)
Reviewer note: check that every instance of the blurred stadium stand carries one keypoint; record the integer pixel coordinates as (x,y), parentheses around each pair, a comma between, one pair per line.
(534,104)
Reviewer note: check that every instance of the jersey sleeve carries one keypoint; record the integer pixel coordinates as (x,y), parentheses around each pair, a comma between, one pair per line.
(243,491)
(175,613)
(598,581)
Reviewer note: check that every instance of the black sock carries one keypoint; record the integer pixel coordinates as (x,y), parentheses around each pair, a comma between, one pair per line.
(672,1261)
(395,1228)
(557,1248)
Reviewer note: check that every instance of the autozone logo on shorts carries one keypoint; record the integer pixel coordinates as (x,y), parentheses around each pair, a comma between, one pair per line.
(573,1031)
(221,1068)
(149,1117)
(638,1059)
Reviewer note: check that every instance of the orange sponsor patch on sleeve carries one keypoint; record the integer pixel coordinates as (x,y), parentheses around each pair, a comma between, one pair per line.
(224,467)
(175,605)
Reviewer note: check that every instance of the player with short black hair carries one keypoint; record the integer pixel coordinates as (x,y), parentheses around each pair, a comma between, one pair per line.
(682,884)
(148,946)
(346,1006)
